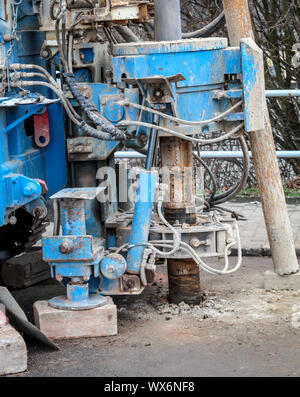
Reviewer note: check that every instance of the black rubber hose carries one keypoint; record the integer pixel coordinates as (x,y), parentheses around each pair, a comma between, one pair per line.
(235,190)
(51,9)
(212,176)
(207,30)
(90,110)
(92,132)
(127,34)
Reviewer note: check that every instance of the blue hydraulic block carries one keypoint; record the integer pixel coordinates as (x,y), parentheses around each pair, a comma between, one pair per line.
(74,255)
(72,218)
(113,266)
(147,184)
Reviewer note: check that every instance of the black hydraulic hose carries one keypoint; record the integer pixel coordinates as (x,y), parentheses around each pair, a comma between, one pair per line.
(207,30)
(51,8)
(236,215)
(127,34)
(90,110)
(235,190)
(212,176)
(92,132)
(152,144)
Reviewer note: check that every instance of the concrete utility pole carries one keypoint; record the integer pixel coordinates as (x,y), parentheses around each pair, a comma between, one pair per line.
(265,162)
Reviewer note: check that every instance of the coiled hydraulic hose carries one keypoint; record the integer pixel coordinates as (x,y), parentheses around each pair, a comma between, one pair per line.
(90,110)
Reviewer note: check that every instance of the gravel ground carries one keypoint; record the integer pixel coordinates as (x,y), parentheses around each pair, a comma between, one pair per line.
(239,330)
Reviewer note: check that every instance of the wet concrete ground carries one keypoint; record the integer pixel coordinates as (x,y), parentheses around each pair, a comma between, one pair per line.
(241,330)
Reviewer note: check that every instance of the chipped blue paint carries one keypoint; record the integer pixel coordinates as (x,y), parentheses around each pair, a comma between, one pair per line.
(113,266)
(147,184)
(253,85)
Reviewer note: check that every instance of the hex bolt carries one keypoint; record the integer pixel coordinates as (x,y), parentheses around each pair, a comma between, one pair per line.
(8,37)
(29,189)
(59,277)
(130,284)
(46,53)
(195,243)
(110,269)
(65,247)
(13,220)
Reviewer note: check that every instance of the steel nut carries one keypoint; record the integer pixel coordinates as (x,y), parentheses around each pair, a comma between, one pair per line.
(66,247)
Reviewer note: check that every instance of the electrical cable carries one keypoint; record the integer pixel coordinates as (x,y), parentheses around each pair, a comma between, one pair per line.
(221,138)
(212,176)
(220,117)
(207,30)
(51,81)
(235,190)
(81,124)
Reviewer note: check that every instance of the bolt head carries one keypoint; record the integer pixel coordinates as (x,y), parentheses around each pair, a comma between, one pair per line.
(195,243)
(13,220)
(65,247)
(130,284)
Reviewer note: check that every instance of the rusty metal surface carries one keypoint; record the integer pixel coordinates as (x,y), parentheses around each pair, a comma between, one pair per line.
(41,129)
(238,21)
(99,11)
(265,161)
(184,282)
(177,165)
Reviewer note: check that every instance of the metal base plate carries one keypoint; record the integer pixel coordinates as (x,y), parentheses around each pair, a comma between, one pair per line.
(63,303)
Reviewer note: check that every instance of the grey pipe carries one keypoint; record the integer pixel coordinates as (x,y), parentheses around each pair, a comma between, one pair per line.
(127,34)
(167,20)
(288,154)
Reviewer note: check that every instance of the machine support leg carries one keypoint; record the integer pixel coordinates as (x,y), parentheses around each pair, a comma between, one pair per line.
(177,157)
(265,161)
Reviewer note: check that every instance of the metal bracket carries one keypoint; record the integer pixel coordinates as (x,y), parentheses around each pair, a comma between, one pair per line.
(253,85)
(37,110)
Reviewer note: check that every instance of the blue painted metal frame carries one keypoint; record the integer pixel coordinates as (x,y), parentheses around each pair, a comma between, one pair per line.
(21,161)
(147,185)
(204,67)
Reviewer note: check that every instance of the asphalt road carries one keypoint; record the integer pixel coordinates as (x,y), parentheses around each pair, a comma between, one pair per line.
(251,335)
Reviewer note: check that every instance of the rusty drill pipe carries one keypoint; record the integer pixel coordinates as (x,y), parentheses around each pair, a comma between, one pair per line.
(184,282)
(177,157)
(277,221)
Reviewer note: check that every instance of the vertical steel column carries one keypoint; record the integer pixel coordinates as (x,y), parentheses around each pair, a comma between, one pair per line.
(72,214)
(147,184)
(265,161)
(177,160)
(177,155)
(167,20)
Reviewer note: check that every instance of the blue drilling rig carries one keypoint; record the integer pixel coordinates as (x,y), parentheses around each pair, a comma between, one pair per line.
(76,86)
